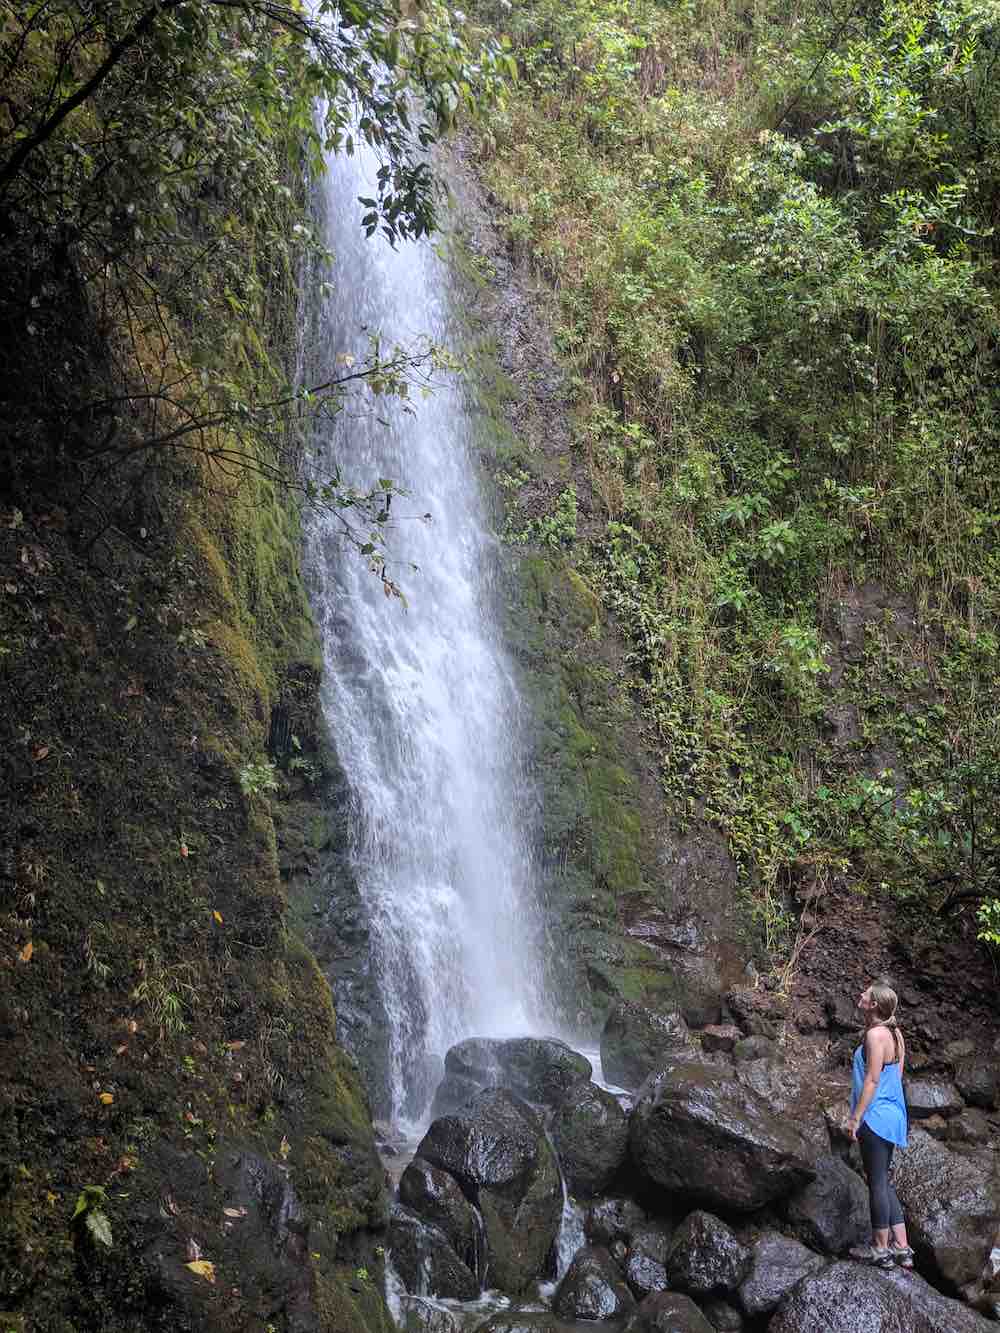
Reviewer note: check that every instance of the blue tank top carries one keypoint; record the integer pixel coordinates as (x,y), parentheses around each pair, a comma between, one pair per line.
(886,1113)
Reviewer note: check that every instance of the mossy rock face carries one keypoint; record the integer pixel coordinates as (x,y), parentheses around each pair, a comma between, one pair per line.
(168,1015)
(620,863)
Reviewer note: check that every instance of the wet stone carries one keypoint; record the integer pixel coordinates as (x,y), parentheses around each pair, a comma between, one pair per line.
(850,1297)
(667,1312)
(435,1196)
(832,1212)
(592,1288)
(590,1132)
(637,1041)
(705,1257)
(723,1317)
(646,1260)
(777,1264)
(698,1133)
(425,1262)
(610,1220)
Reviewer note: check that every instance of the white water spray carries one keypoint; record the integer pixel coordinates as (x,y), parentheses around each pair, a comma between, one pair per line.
(422,704)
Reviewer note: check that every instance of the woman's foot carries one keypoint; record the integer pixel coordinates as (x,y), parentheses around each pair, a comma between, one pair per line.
(902,1256)
(875,1255)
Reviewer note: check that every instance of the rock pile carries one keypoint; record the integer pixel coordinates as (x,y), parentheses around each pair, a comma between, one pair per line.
(725,1198)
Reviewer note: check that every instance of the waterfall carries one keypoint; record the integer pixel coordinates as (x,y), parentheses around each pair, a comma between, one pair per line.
(421,701)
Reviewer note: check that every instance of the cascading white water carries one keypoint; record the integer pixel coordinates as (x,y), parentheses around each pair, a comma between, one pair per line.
(422,703)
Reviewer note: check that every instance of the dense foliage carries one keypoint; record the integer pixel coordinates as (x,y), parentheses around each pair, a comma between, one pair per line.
(771,233)
(151,167)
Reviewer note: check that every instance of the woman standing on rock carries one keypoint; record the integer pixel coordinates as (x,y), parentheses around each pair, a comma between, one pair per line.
(878,1122)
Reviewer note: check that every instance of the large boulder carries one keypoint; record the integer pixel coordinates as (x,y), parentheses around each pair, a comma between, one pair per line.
(832,1212)
(952,1208)
(496,1149)
(796,1096)
(590,1132)
(852,1298)
(425,1261)
(705,1257)
(542,1070)
(646,1260)
(637,1041)
(437,1197)
(698,1132)
(776,1264)
(667,1312)
(592,1288)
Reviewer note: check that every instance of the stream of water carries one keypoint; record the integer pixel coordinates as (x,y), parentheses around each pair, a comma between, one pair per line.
(421,701)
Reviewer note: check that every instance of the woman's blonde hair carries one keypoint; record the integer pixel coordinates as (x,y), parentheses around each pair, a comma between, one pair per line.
(885,1000)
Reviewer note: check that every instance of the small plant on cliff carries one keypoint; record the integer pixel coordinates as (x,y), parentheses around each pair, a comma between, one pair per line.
(89,1218)
(166,993)
(258,778)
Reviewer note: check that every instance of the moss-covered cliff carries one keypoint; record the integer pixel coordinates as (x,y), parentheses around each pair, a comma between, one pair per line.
(183,1142)
(167,1037)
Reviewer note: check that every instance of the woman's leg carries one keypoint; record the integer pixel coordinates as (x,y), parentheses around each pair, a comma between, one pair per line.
(896,1223)
(876,1154)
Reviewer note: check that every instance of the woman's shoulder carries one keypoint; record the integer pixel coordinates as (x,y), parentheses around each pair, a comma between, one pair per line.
(889,1040)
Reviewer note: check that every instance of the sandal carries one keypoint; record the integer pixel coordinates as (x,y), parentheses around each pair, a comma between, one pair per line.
(902,1255)
(874,1255)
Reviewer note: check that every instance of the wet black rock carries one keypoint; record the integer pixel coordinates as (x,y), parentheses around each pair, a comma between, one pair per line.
(795,1096)
(592,1288)
(952,1208)
(425,1261)
(542,1070)
(637,1041)
(610,1220)
(723,1317)
(667,1312)
(590,1132)
(436,1196)
(849,1298)
(776,1264)
(492,1141)
(453,1092)
(831,1213)
(646,1260)
(496,1149)
(705,1257)
(699,1133)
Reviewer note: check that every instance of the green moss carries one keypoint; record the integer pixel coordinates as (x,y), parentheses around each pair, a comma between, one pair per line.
(351,1302)
(617,831)
(582,604)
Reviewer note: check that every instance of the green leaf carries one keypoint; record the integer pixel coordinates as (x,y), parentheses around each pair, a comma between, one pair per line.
(100,1228)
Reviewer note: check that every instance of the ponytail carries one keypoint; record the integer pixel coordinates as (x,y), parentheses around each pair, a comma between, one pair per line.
(885,1001)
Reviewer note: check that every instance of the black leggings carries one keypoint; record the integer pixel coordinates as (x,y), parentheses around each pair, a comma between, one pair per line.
(876,1154)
